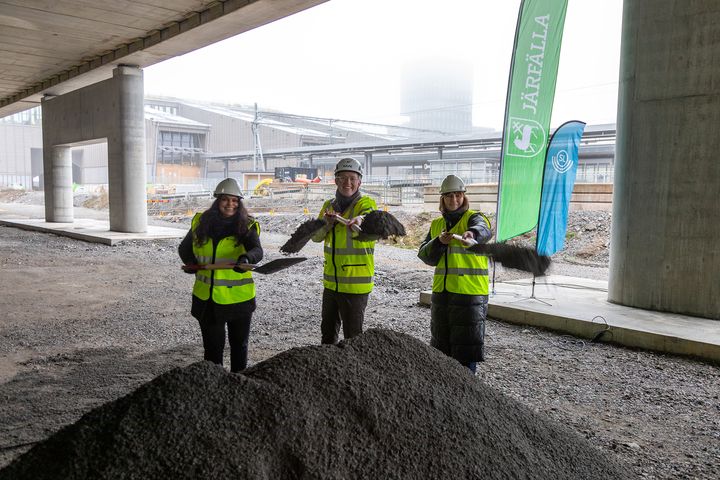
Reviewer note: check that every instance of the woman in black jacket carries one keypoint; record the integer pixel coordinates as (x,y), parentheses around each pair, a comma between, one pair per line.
(460,282)
(223,234)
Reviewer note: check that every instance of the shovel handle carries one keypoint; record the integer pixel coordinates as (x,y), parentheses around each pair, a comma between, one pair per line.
(465,241)
(219,266)
(355,227)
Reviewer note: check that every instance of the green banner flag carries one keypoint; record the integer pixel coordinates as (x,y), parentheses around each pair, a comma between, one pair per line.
(531,91)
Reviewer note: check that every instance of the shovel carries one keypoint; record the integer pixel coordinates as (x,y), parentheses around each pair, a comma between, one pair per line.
(468,242)
(302,235)
(510,256)
(355,227)
(269,267)
(376,224)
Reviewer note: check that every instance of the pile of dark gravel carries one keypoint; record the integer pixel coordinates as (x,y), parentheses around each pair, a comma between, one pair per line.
(382,405)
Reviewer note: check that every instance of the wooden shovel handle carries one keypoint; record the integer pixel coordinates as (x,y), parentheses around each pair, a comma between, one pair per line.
(219,266)
(355,227)
(466,241)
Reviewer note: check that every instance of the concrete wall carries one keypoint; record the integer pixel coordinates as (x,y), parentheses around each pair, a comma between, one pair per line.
(666,220)
(112,110)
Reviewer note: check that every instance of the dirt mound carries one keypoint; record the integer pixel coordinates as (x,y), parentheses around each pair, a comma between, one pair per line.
(11,195)
(382,405)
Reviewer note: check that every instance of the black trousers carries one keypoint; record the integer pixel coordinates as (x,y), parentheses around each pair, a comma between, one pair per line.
(346,309)
(212,327)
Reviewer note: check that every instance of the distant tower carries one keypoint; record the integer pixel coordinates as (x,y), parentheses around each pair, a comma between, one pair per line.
(437,94)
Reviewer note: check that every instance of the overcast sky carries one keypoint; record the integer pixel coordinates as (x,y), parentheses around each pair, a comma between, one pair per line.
(343,59)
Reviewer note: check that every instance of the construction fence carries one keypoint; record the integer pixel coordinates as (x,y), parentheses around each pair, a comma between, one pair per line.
(585,196)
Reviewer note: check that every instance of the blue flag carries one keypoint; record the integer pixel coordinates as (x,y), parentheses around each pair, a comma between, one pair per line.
(558,181)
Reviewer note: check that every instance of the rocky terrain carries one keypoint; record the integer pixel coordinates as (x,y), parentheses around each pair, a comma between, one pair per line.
(84,324)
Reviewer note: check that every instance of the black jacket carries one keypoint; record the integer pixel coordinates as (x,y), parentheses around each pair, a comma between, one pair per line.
(457,321)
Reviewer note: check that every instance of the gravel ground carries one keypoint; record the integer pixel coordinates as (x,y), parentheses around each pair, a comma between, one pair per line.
(84,324)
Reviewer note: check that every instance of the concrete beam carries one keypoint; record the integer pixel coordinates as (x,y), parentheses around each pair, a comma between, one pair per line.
(172,37)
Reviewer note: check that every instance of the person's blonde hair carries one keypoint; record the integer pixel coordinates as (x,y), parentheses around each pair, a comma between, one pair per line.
(465,205)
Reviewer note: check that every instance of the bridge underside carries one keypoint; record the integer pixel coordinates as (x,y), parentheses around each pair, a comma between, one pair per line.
(56,47)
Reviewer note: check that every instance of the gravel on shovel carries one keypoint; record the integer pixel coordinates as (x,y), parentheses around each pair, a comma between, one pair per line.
(302,235)
(380,224)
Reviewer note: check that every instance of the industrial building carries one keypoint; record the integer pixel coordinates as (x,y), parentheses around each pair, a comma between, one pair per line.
(195,144)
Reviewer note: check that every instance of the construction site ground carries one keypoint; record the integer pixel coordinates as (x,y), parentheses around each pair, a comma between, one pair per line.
(85,323)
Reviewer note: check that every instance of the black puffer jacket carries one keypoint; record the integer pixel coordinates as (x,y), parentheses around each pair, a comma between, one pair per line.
(457,321)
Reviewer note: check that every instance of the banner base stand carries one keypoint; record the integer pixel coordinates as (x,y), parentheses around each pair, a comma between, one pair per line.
(533,297)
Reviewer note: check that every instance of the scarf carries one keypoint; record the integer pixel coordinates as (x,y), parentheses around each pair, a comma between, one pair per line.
(223,227)
(341,202)
(452,218)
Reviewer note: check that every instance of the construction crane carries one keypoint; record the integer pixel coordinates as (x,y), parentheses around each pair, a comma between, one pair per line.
(258,159)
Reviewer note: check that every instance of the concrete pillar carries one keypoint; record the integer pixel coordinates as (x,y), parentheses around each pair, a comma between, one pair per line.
(57,173)
(666,219)
(368,163)
(126,155)
(60,206)
(111,110)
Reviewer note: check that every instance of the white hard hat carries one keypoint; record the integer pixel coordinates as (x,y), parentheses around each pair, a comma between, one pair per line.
(229,186)
(452,184)
(348,165)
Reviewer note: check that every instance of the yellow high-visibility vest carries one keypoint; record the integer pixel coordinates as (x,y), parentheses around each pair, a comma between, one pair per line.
(226,286)
(349,264)
(459,270)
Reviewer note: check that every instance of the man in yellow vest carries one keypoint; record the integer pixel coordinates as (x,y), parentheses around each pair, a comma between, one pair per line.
(349,264)
(458,305)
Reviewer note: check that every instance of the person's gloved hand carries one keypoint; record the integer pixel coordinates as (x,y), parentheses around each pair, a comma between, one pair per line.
(445,238)
(331,217)
(243,260)
(189,269)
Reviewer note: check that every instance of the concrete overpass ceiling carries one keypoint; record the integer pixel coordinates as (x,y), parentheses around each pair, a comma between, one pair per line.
(53,47)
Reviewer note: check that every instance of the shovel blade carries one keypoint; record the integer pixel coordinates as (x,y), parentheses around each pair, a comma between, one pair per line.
(278,264)
(269,267)
(302,235)
(511,256)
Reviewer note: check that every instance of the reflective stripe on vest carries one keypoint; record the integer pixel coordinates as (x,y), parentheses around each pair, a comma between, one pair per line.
(349,264)
(459,270)
(226,286)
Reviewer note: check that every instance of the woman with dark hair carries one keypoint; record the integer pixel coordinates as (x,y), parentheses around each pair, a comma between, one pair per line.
(224,233)
(458,305)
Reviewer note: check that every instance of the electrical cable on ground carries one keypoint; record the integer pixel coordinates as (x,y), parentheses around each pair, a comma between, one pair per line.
(599,334)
